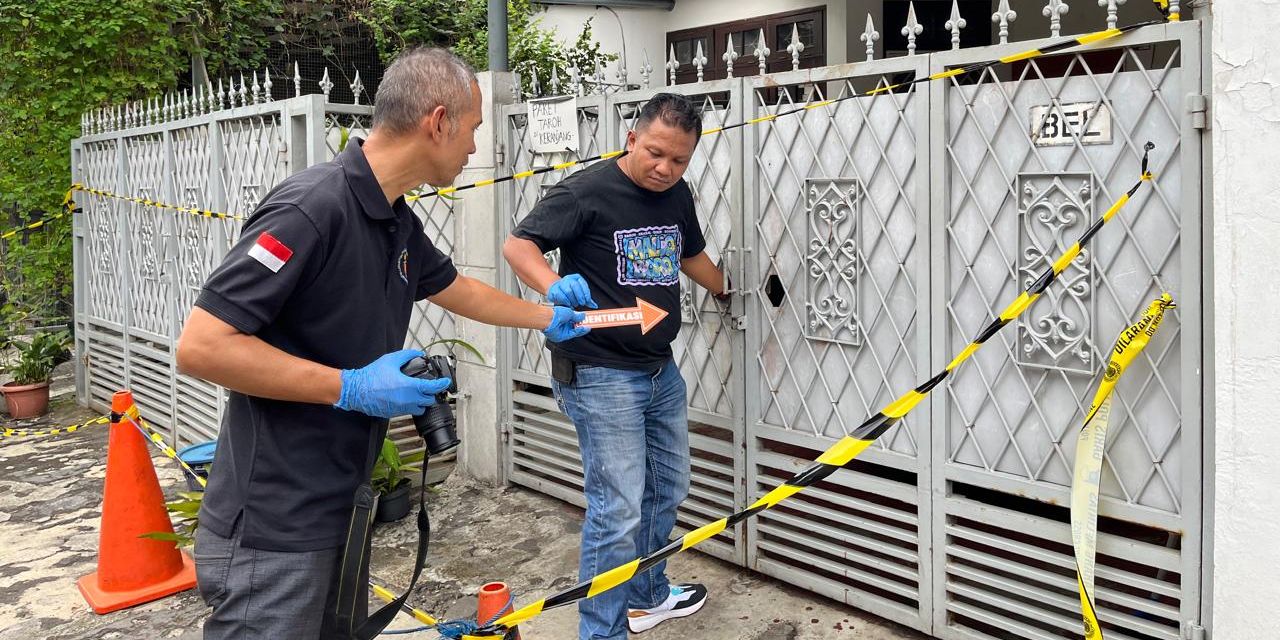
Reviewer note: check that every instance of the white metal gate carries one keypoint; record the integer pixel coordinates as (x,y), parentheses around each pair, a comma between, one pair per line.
(139,268)
(870,239)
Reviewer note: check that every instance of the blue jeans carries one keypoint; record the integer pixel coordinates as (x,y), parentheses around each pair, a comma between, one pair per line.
(633,431)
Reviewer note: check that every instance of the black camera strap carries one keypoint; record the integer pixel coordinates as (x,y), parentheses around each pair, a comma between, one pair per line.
(352,581)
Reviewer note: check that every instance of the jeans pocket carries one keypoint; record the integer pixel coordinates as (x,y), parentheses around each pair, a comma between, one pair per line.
(213,555)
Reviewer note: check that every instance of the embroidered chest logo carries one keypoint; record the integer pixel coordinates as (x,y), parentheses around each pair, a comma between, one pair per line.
(404,265)
(649,256)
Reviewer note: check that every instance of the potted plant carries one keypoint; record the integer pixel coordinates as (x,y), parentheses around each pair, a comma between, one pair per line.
(390,480)
(27,395)
(187,511)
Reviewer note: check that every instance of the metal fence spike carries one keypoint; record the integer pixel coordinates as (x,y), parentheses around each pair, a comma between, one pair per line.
(955,24)
(762,53)
(672,64)
(222,95)
(1004,15)
(646,69)
(912,29)
(575,78)
(1111,5)
(326,85)
(297,80)
(870,36)
(621,73)
(699,60)
(1057,8)
(357,87)
(266,86)
(796,47)
(256,89)
(730,55)
(211,97)
(599,77)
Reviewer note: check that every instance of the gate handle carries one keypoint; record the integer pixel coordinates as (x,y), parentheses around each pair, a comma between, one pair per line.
(725,268)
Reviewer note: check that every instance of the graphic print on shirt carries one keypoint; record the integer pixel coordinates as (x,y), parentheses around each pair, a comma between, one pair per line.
(648,256)
(404,265)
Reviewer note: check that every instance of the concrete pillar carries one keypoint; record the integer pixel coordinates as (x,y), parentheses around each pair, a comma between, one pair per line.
(1245,455)
(476,255)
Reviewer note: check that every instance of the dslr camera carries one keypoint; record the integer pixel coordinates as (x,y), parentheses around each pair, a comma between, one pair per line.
(436,425)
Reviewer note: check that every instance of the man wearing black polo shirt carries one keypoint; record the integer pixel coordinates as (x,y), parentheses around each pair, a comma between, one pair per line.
(303,322)
(625,230)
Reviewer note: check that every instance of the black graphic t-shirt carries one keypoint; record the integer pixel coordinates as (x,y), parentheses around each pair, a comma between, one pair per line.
(627,243)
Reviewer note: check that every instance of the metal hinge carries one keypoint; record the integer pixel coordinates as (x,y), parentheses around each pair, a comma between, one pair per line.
(1192,631)
(506,432)
(1198,107)
(499,154)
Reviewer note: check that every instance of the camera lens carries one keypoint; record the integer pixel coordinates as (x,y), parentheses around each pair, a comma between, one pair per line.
(436,427)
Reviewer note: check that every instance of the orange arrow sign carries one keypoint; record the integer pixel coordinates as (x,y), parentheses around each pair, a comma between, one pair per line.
(643,314)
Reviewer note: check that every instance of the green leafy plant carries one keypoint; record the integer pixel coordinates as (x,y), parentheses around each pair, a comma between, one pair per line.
(187,511)
(61,58)
(390,469)
(462,25)
(454,342)
(533,50)
(36,359)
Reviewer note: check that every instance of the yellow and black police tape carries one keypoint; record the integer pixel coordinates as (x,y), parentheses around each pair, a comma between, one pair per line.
(1090,447)
(1064,43)
(154,436)
(148,202)
(838,455)
(31,226)
(9,432)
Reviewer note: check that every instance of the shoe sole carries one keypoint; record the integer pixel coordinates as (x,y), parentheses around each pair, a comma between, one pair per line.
(671,615)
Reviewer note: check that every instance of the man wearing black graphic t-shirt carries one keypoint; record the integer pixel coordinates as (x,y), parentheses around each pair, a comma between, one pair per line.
(625,229)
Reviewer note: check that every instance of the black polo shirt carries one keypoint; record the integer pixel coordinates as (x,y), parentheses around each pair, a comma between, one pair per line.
(325,270)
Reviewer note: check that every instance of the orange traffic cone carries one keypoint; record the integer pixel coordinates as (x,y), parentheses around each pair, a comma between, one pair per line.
(131,569)
(495,601)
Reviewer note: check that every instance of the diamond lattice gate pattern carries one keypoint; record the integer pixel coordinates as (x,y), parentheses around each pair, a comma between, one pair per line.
(139,268)
(1016,194)
(868,241)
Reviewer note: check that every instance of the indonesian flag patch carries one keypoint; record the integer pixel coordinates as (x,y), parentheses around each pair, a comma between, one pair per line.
(270,252)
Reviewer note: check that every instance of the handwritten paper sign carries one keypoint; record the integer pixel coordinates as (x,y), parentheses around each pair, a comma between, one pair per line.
(553,124)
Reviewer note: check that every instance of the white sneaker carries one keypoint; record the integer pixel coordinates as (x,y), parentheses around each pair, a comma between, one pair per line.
(685,600)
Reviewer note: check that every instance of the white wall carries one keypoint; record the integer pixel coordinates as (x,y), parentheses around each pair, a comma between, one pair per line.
(646,29)
(476,255)
(1245,108)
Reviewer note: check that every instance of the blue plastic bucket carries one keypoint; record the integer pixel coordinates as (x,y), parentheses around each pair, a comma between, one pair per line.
(197,456)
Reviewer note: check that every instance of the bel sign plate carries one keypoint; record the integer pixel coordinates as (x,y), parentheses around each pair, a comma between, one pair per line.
(1052,126)
(553,125)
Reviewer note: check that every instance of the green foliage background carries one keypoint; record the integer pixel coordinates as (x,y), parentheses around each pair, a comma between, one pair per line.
(60,58)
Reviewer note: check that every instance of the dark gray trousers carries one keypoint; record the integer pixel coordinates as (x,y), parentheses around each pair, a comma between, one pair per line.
(267,594)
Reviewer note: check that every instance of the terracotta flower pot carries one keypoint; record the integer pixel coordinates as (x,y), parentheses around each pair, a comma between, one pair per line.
(26,400)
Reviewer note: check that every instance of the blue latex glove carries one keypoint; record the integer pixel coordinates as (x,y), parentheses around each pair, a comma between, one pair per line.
(571,291)
(381,390)
(562,327)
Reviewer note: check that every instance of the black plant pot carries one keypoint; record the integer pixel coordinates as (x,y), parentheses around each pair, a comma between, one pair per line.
(394,504)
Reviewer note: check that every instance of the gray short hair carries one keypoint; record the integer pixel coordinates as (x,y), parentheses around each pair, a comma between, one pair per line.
(418,81)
